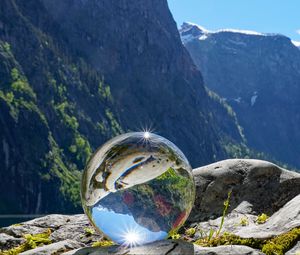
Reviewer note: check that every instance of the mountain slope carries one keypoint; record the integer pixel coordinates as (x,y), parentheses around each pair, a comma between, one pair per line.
(74,74)
(150,69)
(53,112)
(259,76)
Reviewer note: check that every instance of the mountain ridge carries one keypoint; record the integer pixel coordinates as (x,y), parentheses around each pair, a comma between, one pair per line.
(189,27)
(258,76)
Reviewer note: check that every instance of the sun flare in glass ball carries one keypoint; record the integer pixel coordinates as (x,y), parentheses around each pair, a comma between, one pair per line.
(137,188)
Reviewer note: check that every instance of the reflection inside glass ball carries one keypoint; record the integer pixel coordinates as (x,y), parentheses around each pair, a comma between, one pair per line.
(138,188)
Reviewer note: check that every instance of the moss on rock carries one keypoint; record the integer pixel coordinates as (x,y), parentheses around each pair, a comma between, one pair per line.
(275,246)
(282,243)
(103,243)
(31,242)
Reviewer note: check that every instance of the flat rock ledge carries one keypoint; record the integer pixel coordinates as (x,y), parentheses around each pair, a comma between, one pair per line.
(167,247)
(256,187)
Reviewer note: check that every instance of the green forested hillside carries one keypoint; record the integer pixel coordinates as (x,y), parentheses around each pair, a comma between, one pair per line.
(76,73)
(47,138)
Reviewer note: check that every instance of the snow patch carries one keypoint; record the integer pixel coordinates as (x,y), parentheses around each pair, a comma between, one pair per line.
(254,98)
(296,43)
(247,32)
(238,100)
(190,31)
(186,32)
(188,25)
(203,37)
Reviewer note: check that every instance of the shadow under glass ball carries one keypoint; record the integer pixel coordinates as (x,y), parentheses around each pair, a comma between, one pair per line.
(137,188)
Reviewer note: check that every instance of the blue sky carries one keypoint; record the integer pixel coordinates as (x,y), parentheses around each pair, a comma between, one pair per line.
(266,16)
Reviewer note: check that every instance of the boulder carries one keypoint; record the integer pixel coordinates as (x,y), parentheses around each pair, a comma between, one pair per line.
(257,187)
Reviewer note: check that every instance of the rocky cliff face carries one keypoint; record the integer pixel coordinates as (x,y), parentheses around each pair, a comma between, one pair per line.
(258,75)
(136,46)
(75,73)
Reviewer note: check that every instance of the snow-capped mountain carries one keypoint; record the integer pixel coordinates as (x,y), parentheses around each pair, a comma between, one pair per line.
(190,31)
(259,76)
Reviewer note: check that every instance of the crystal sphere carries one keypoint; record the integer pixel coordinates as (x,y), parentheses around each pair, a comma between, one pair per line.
(137,188)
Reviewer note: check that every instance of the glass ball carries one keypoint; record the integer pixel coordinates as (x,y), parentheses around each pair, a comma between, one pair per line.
(137,188)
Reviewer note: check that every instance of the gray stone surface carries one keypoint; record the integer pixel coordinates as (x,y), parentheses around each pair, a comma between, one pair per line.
(63,227)
(167,247)
(226,250)
(257,187)
(161,247)
(55,248)
(9,241)
(53,221)
(280,222)
(76,229)
(21,230)
(295,250)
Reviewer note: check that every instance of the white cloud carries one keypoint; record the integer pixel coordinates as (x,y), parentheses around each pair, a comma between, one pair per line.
(298,31)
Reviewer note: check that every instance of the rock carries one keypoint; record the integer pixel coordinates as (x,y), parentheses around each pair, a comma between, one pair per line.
(9,241)
(257,187)
(161,247)
(295,250)
(280,222)
(22,229)
(166,247)
(226,250)
(62,227)
(55,248)
(75,229)
(53,221)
